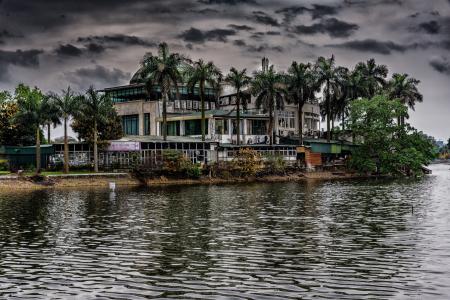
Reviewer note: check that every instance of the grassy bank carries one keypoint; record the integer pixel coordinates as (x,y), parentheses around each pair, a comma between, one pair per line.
(102,180)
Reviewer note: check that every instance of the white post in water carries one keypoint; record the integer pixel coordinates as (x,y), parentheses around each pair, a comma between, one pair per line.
(112,186)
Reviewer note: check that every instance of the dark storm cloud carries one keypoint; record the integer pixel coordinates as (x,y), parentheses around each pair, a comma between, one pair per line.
(239,43)
(431,27)
(240,27)
(374,46)
(333,27)
(367,3)
(82,78)
(441,64)
(21,58)
(316,10)
(117,39)
(228,2)
(68,50)
(264,48)
(264,18)
(194,35)
(74,51)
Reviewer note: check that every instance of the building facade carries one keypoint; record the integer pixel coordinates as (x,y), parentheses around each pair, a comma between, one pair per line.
(141,113)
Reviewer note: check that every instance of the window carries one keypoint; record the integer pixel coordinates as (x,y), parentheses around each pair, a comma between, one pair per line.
(130,124)
(286,119)
(221,126)
(258,127)
(189,104)
(147,124)
(177,104)
(234,126)
(193,127)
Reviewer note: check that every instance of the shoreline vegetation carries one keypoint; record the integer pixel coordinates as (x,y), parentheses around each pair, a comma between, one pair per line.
(102,180)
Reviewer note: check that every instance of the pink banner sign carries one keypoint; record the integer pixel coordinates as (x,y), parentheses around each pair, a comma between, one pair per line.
(124,146)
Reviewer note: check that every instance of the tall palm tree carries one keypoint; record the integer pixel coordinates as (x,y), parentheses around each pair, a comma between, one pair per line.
(238,80)
(301,88)
(65,105)
(32,111)
(269,89)
(50,116)
(405,89)
(374,76)
(94,108)
(162,70)
(202,73)
(328,77)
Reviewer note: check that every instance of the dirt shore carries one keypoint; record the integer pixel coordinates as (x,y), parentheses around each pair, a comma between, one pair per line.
(26,183)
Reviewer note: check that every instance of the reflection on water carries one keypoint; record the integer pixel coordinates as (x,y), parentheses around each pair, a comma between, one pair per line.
(334,240)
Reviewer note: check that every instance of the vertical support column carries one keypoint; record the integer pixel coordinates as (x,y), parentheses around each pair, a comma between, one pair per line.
(244,131)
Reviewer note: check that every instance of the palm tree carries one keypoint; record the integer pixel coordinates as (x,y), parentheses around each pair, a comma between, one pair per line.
(32,111)
(50,116)
(374,76)
(405,89)
(94,108)
(269,89)
(202,73)
(301,88)
(65,105)
(328,76)
(238,80)
(162,70)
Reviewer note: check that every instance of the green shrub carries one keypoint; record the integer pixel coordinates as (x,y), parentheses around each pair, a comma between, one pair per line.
(4,165)
(175,163)
(275,164)
(246,162)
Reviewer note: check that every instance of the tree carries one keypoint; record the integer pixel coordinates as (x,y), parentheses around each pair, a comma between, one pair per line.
(50,115)
(202,73)
(31,111)
(5,96)
(385,145)
(405,89)
(95,111)
(352,87)
(239,80)
(374,76)
(328,76)
(269,89)
(301,88)
(12,131)
(65,106)
(162,70)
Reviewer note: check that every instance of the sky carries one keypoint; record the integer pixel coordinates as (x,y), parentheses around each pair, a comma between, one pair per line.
(56,43)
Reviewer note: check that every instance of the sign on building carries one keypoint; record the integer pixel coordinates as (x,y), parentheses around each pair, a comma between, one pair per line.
(124,146)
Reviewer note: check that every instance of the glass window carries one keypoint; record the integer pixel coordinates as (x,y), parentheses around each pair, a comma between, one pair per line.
(130,124)
(147,124)
(221,126)
(258,127)
(286,119)
(193,127)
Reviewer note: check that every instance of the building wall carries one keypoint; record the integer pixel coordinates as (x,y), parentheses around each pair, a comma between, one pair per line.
(140,107)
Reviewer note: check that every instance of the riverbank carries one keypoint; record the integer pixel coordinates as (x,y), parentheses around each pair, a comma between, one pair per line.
(14,182)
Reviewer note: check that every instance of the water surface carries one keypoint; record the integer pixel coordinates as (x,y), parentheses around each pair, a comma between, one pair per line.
(322,240)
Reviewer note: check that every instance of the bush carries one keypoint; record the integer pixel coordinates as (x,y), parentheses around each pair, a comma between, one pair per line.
(175,163)
(4,165)
(275,164)
(247,162)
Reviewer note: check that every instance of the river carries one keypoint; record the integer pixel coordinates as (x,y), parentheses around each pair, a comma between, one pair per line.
(363,239)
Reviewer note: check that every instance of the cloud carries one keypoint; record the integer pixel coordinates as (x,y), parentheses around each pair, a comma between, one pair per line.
(68,50)
(194,35)
(227,2)
(263,18)
(20,58)
(431,27)
(317,11)
(333,27)
(240,27)
(441,64)
(117,39)
(82,78)
(371,45)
